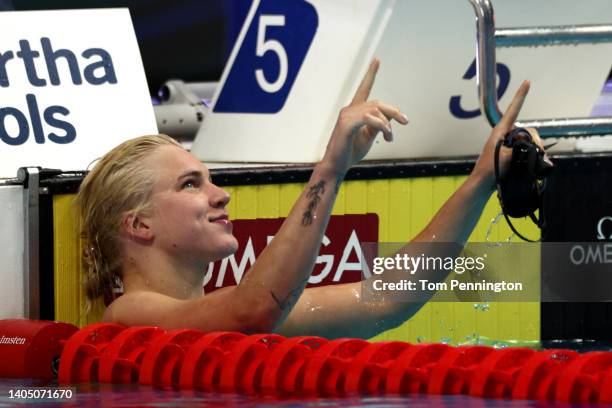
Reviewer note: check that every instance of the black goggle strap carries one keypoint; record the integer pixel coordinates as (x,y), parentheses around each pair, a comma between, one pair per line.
(496,166)
(501,201)
(518,234)
(514,134)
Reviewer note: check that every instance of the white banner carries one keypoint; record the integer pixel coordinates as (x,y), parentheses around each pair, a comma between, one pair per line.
(72,86)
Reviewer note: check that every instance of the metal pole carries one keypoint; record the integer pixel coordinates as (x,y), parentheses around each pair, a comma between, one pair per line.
(488,38)
(30,178)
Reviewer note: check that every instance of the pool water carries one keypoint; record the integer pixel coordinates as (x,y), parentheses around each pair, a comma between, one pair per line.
(86,395)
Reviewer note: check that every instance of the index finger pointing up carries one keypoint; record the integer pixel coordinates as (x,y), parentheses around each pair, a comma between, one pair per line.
(515,106)
(363,92)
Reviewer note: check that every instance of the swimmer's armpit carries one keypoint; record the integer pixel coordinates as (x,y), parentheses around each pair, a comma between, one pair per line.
(314,194)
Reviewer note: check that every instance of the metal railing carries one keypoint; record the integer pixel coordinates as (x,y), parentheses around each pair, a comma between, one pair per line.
(488,38)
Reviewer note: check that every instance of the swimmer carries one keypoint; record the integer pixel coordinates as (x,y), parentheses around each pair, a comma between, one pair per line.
(153,219)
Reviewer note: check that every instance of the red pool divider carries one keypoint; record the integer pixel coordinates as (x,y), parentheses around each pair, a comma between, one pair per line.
(496,374)
(283,370)
(325,370)
(202,362)
(453,372)
(121,358)
(80,357)
(274,365)
(411,371)
(31,348)
(163,358)
(241,368)
(581,380)
(605,393)
(538,377)
(367,373)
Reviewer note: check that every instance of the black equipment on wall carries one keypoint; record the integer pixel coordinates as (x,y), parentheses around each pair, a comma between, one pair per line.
(578,202)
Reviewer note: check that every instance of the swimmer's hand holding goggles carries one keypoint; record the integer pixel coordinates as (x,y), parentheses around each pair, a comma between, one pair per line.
(521,189)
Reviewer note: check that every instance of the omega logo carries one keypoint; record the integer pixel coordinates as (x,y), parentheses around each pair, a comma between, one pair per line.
(600,228)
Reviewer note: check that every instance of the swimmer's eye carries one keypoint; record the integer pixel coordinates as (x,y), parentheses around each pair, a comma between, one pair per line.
(189,184)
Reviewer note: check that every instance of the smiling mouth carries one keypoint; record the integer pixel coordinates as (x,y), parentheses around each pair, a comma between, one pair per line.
(221,219)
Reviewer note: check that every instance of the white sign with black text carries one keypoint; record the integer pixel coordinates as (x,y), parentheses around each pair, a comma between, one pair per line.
(72,86)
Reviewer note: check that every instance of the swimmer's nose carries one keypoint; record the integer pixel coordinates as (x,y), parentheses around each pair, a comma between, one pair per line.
(218,197)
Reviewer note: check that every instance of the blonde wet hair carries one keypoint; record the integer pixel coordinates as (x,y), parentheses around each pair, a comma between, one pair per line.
(118,183)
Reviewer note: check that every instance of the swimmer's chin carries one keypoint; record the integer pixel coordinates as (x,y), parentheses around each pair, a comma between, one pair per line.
(228,249)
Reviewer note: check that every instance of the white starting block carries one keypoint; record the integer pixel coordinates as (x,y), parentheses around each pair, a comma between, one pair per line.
(277,102)
(293,66)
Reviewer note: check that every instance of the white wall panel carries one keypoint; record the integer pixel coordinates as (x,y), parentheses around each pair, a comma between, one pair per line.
(11,252)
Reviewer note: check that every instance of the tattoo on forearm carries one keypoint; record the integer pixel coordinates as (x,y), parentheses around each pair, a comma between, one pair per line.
(289,300)
(314,194)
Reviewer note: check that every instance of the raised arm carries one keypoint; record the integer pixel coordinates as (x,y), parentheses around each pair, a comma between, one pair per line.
(340,311)
(457,218)
(278,277)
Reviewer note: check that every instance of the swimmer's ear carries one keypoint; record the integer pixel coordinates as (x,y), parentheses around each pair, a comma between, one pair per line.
(136,227)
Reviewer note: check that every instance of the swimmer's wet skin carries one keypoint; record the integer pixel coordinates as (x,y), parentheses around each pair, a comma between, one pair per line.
(175,222)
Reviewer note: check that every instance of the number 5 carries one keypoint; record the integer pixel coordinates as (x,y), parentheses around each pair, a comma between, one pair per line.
(276,47)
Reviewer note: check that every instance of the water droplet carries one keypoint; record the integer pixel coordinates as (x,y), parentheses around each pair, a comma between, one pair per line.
(494,221)
(483,307)
(315,308)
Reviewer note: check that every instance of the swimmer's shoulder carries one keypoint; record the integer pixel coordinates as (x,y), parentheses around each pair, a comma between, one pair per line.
(211,312)
(139,308)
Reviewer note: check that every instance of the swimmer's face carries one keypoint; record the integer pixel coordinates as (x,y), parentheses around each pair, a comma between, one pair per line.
(189,217)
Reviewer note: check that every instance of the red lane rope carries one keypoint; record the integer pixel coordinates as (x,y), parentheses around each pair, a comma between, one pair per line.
(274,365)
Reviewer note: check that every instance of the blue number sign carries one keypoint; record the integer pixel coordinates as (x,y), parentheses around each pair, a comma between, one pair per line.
(269,59)
(455,101)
